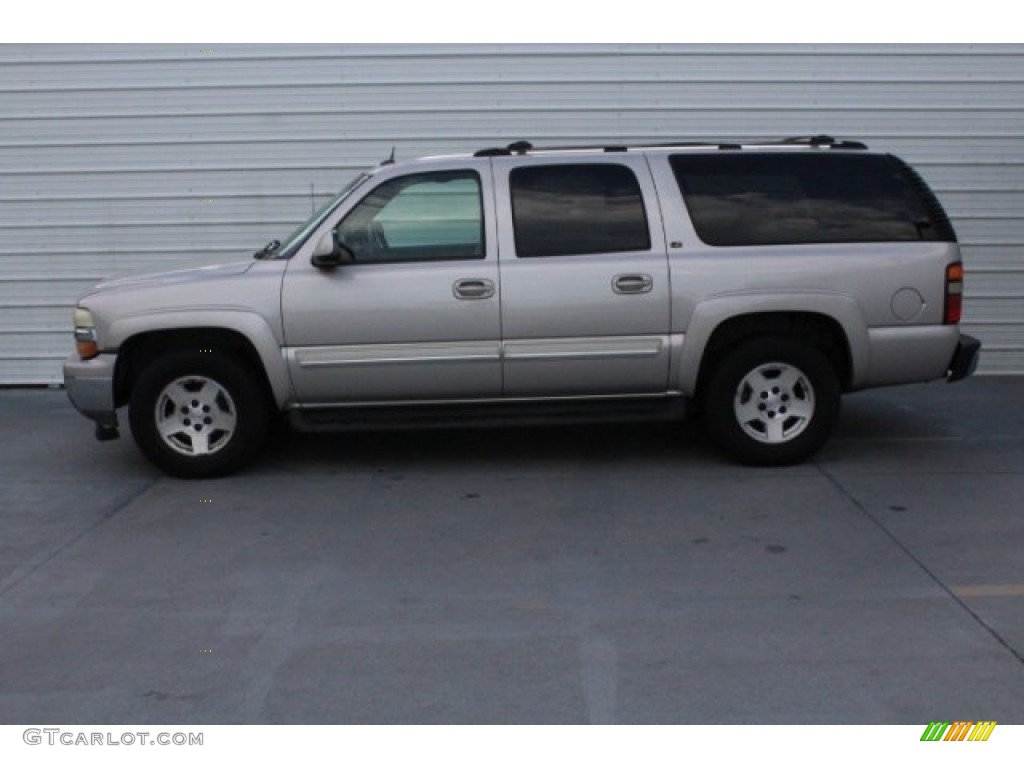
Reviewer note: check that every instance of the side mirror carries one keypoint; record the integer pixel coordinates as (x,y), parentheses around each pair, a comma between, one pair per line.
(329,254)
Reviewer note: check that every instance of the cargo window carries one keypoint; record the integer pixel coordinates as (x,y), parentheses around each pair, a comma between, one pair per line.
(420,217)
(562,210)
(784,198)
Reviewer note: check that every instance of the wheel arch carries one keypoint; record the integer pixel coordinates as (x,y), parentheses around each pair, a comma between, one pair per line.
(141,348)
(819,331)
(833,327)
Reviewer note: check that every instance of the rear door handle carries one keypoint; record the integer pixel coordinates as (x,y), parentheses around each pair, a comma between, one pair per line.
(473,288)
(632,283)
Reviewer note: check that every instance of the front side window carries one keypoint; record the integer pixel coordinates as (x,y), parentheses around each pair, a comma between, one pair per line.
(777,198)
(421,217)
(561,210)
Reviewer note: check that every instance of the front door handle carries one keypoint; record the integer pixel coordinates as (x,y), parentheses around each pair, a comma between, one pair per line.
(632,283)
(473,288)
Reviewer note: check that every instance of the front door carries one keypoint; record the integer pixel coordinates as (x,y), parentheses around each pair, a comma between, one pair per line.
(415,316)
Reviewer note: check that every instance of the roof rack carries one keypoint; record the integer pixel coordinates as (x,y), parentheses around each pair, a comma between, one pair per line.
(525,147)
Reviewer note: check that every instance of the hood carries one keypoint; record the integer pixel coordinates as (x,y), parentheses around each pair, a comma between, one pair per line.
(194,274)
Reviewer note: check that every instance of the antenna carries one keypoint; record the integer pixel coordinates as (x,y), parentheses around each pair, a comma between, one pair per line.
(391,158)
(312,198)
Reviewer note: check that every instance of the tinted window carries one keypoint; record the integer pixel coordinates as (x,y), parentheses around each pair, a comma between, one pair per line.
(765,199)
(421,217)
(560,210)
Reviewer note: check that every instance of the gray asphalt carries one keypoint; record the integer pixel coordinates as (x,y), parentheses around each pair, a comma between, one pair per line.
(560,575)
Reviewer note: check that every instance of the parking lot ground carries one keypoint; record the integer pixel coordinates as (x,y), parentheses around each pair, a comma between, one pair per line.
(557,575)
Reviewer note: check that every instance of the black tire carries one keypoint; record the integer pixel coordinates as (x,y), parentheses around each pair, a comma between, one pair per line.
(198,414)
(771,401)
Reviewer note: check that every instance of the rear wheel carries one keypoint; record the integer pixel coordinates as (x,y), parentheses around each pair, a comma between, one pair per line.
(771,401)
(198,414)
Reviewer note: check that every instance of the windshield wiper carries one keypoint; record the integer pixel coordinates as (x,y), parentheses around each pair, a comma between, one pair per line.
(267,249)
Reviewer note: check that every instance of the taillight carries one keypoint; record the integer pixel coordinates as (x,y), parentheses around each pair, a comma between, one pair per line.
(954,293)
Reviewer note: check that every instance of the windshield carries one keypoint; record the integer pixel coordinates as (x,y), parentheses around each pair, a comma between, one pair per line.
(295,240)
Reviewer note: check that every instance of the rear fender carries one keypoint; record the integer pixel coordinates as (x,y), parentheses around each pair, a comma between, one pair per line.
(709,315)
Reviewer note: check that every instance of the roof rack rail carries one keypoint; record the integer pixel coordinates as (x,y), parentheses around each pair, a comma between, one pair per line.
(516,148)
(822,140)
(525,147)
(522,147)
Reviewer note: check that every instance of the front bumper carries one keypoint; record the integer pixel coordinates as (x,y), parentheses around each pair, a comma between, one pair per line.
(90,387)
(965,358)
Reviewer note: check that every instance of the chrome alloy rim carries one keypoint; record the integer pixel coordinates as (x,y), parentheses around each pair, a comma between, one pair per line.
(195,416)
(774,403)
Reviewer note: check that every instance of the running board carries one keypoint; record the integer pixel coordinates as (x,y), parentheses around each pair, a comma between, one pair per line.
(597,411)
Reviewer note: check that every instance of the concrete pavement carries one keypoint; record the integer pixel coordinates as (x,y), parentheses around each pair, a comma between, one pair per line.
(598,574)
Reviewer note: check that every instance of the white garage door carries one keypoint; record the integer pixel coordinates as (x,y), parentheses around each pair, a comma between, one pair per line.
(126,158)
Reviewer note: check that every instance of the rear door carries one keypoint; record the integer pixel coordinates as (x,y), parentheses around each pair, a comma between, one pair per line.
(584,277)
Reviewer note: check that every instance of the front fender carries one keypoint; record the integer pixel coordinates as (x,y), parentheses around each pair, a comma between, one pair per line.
(263,337)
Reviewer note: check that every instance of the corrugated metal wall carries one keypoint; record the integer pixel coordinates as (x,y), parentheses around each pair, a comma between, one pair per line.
(137,157)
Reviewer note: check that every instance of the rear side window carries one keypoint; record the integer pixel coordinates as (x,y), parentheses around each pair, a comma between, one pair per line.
(561,210)
(775,198)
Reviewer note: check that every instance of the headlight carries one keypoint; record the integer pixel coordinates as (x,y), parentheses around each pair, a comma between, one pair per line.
(85,334)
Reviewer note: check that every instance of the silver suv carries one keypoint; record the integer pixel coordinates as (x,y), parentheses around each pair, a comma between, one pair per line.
(756,282)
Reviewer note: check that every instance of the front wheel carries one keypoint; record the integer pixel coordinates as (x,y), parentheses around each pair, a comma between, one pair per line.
(771,401)
(198,414)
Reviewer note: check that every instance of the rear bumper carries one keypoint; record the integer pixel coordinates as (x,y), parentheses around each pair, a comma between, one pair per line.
(965,358)
(90,387)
